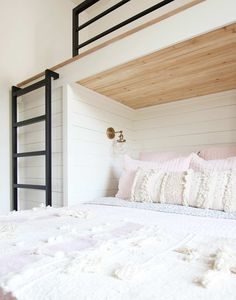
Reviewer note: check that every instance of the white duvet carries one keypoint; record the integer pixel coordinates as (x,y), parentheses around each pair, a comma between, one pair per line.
(106,252)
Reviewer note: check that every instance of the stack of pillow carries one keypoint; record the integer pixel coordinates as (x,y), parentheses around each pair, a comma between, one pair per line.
(204,180)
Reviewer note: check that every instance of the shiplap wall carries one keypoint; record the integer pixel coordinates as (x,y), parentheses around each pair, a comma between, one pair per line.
(187,125)
(90,166)
(93,166)
(32,138)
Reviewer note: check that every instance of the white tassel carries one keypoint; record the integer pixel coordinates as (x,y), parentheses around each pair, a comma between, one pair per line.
(189,253)
(223,263)
(223,260)
(209,278)
(127,272)
(233,270)
(187,186)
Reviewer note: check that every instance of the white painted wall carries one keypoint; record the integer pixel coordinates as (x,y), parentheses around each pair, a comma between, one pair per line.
(92,168)
(187,125)
(34,35)
(123,13)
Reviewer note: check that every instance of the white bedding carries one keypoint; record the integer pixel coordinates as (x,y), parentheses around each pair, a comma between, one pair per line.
(106,252)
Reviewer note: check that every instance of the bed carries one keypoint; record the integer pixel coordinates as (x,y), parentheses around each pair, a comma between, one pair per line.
(115,249)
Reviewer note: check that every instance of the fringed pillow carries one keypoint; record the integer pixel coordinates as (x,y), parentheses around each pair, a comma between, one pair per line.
(213,190)
(209,189)
(131,166)
(156,186)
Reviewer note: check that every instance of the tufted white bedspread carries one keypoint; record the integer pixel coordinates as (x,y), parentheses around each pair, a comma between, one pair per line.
(106,252)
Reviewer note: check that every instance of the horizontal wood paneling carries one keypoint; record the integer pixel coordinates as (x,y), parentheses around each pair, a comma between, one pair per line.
(191,129)
(188,125)
(94,168)
(197,104)
(187,118)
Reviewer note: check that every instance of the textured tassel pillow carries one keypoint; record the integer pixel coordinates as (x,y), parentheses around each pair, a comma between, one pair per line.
(209,189)
(160,187)
(131,166)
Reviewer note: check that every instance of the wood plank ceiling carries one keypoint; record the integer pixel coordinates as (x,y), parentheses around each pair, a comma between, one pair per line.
(200,66)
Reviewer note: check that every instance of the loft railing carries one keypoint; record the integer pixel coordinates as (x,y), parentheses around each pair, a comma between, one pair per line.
(88,3)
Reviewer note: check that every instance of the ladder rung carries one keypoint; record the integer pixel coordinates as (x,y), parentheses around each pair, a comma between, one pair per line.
(30,121)
(30,186)
(29,88)
(33,153)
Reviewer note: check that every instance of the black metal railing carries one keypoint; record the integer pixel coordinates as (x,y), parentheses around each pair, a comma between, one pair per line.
(88,3)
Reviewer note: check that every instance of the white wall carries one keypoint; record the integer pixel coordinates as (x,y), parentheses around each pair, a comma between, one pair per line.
(184,126)
(123,13)
(34,35)
(92,166)
(187,125)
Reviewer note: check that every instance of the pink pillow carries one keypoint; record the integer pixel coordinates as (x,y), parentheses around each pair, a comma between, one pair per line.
(218,152)
(160,156)
(199,164)
(131,165)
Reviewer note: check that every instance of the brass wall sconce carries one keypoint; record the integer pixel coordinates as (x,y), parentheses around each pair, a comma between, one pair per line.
(111,133)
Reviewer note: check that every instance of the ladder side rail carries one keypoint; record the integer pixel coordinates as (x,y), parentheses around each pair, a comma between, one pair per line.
(48,138)
(14,147)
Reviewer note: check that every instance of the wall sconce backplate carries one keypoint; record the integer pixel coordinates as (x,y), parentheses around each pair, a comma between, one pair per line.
(111,133)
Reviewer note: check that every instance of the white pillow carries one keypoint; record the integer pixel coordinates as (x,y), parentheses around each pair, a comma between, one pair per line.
(209,189)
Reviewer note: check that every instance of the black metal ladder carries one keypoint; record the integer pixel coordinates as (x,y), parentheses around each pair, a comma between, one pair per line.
(47,118)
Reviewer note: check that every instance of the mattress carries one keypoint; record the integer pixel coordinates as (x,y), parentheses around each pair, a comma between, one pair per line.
(101,251)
